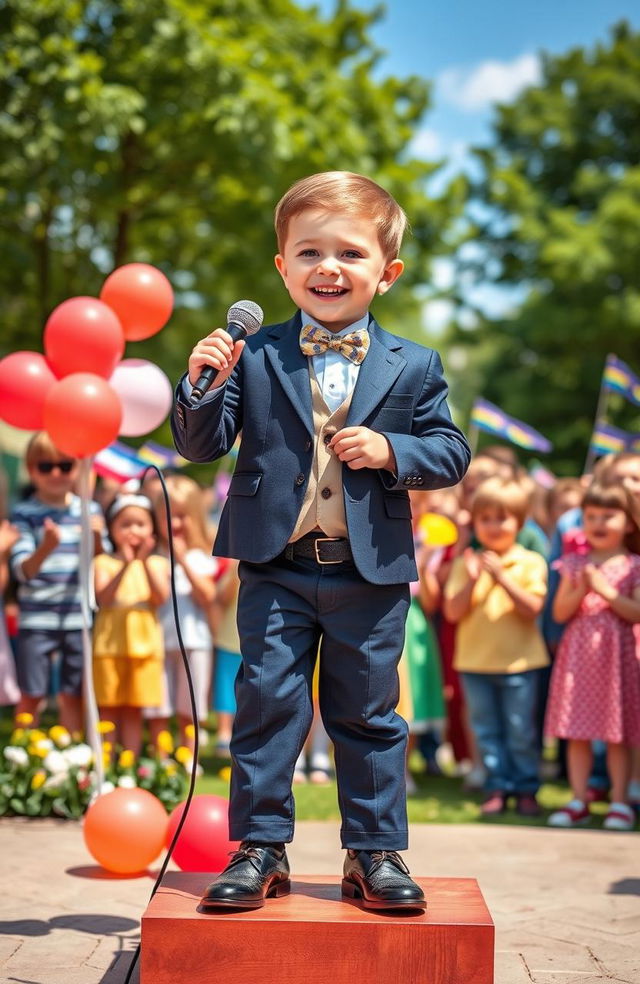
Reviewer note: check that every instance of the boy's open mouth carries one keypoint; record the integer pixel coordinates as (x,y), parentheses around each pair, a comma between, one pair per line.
(328,291)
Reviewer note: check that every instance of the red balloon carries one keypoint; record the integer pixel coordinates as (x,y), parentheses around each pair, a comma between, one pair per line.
(25,380)
(203,844)
(125,829)
(82,414)
(83,335)
(142,298)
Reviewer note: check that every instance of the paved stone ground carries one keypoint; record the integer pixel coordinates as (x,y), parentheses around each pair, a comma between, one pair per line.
(566,904)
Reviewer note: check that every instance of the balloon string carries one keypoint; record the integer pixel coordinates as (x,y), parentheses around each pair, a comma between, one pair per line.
(86,606)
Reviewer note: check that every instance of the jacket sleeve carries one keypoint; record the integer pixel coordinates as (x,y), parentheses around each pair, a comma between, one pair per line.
(208,432)
(435,454)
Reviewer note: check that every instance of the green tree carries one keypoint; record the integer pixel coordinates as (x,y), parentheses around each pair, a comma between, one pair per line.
(165,131)
(556,211)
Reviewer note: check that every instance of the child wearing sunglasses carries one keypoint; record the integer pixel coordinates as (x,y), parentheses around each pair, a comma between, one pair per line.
(45,563)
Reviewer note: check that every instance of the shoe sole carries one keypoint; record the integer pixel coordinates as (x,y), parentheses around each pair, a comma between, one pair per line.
(276,890)
(352,891)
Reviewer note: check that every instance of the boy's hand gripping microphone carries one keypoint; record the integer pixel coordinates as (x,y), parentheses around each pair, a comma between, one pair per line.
(243,318)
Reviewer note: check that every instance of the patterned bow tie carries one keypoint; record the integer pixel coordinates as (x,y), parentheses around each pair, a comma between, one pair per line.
(353,346)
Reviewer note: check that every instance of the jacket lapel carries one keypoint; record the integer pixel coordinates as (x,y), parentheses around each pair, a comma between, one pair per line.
(291,367)
(378,372)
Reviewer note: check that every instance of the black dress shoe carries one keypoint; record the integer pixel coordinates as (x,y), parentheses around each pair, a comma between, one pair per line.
(255,872)
(381,879)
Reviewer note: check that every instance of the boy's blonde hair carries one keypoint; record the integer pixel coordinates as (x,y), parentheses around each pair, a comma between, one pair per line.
(42,448)
(504,494)
(344,191)
(183,490)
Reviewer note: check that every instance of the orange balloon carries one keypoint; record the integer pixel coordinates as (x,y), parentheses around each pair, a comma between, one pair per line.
(82,414)
(125,830)
(141,297)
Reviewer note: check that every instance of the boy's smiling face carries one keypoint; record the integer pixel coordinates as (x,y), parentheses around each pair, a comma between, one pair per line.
(332,265)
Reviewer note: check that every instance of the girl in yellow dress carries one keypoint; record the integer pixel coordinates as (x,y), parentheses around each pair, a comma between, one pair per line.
(128,649)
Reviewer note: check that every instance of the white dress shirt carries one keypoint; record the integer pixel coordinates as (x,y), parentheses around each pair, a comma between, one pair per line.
(336,375)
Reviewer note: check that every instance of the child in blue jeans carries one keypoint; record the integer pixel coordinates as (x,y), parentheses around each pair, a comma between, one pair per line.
(495,596)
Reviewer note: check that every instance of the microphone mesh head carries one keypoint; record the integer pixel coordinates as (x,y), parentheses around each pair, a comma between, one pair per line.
(248,314)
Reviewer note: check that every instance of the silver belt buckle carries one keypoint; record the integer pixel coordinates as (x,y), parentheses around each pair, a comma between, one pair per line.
(325,539)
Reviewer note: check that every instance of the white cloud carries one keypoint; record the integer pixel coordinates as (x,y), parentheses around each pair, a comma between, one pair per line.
(427,144)
(490,81)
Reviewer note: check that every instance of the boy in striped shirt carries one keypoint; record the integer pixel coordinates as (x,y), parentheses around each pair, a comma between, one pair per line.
(45,563)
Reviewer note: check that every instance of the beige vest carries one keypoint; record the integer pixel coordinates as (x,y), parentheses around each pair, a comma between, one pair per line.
(323,503)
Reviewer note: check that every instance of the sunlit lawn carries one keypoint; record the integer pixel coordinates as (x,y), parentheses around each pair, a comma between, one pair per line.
(438,799)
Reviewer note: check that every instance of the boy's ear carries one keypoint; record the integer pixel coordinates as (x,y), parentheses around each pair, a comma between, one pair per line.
(389,276)
(280,266)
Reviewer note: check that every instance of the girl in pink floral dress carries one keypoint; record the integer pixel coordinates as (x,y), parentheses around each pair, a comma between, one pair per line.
(595,684)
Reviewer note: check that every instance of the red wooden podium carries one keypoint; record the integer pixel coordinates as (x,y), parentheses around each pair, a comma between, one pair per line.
(313,936)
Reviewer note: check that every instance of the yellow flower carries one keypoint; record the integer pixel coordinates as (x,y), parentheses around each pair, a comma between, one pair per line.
(60,736)
(38,779)
(17,736)
(105,727)
(190,731)
(38,749)
(183,755)
(107,746)
(165,742)
(36,735)
(127,759)
(24,718)
(170,769)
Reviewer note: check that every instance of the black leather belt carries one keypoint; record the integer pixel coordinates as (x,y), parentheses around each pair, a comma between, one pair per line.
(322,549)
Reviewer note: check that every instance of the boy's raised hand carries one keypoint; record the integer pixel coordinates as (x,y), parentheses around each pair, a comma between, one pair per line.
(472,564)
(9,535)
(360,447)
(217,350)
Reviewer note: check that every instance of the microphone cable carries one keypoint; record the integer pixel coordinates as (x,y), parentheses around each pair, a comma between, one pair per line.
(192,700)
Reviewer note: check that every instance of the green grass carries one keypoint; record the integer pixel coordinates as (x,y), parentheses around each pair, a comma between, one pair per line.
(438,799)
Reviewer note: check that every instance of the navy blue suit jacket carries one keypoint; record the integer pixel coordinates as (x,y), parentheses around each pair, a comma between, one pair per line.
(400,392)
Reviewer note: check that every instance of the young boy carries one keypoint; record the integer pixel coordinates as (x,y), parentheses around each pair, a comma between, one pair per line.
(44,561)
(496,596)
(339,420)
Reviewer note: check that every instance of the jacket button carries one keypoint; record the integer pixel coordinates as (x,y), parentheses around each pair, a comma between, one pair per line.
(300,479)
(326,493)
(407,481)
(327,439)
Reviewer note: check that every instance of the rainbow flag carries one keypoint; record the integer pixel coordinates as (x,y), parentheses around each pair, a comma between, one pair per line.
(118,461)
(155,454)
(490,418)
(617,376)
(607,439)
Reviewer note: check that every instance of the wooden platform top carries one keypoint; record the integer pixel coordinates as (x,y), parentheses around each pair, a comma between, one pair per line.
(317,898)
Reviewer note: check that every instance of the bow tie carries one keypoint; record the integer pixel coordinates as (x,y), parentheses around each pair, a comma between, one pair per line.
(353,346)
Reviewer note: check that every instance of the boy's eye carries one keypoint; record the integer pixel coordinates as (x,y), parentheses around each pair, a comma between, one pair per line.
(308,252)
(352,254)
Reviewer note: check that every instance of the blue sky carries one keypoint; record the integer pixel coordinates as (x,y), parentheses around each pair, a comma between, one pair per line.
(476,54)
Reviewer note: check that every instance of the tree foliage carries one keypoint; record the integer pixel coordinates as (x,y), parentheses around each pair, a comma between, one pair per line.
(165,132)
(557,211)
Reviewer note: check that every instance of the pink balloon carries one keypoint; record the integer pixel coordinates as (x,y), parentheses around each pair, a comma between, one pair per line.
(82,414)
(25,380)
(142,298)
(83,335)
(145,394)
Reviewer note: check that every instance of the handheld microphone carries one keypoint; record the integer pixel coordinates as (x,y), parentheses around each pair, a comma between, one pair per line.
(243,318)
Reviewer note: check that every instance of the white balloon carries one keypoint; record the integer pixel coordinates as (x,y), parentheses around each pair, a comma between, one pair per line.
(145,393)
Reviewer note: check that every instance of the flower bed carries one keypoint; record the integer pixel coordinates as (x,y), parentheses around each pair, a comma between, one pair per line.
(51,772)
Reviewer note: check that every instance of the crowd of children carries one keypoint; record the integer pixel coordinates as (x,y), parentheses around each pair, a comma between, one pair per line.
(520,637)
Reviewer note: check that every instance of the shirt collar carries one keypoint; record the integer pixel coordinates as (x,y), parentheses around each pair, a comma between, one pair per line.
(360,325)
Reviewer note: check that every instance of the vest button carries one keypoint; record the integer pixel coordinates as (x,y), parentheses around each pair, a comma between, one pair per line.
(327,438)
(300,479)
(326,493)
